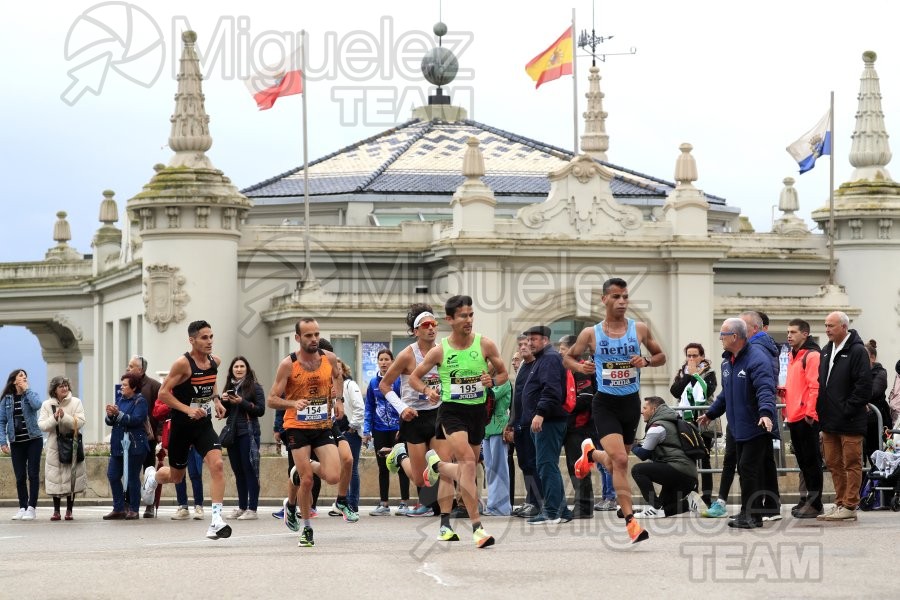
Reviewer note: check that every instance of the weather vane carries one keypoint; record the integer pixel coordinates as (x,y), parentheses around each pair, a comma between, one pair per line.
(593,40)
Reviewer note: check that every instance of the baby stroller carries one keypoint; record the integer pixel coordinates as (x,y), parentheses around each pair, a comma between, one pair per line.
(881,486)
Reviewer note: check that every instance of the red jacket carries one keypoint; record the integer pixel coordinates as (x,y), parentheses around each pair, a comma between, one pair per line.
(802,388)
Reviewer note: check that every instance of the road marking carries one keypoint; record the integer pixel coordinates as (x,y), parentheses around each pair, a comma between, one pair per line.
(425,569)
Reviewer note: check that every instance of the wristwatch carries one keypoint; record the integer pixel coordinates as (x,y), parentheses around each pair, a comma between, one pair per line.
(646,360)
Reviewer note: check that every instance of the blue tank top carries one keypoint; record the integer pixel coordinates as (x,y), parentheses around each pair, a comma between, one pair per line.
(612,359)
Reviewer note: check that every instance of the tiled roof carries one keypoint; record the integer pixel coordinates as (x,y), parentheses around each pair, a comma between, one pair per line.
(425,157)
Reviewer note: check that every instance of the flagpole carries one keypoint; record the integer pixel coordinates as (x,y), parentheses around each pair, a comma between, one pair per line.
(307,274)
(574,87)
(831,196)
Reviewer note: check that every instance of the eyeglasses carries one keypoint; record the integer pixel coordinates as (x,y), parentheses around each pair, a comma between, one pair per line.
(726,333)
(693,355)
(428,324)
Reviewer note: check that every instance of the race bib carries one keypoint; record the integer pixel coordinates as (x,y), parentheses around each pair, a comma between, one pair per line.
(205,404)
(315,411)
(466,388)
(618,373)
(433,382)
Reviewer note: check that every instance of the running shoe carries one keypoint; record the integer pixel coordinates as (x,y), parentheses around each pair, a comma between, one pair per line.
(295,476)
(380,511)
(18,516)
(447,535)
(605,505)
(306,538)
(30,514)
(248,515)
(402,509)
(148,490)
(290,517)
(313,512)
(716,511)
(345,511)
(430,475)
(651,513)
(482,539)
(181,514)
(636,532)
(393,457)
(696,503)
(420,510)
(198,513)
(236,513)
(279,514)
(584,462)
(218,530)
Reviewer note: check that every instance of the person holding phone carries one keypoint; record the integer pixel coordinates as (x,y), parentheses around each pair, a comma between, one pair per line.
(245,396)
(61,414)
(21,437)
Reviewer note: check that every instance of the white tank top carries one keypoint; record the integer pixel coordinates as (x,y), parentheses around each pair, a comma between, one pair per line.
(412,398)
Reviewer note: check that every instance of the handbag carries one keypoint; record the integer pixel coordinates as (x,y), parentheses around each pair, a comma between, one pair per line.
(228,433)
(68,444)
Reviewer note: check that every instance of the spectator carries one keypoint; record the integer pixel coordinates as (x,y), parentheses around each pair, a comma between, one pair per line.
(128,446)
(244,395)
(665,464)
(354,416)
(580,390)
(534,497)
(496,468)
(21,437)
(149,389)
(873,437)
(62,414)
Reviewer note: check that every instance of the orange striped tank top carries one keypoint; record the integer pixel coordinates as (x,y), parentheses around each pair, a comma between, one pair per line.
(314,386)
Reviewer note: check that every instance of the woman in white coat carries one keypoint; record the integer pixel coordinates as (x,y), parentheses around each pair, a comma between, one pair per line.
(61,414)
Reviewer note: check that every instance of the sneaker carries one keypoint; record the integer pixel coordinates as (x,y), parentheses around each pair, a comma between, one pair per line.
(279,514)
(394,456)
(459,512)
(18,516)
(236,513)
(150,512)
(651,513)
(148,490)
(446,534)
(313,512)
(290,516)
(29,514)
(181,514)
(248,515)
(218,530)
(828,513)
(333,511)
(198,513)
(542,519)
(696,503)
(295,476)
(606,505)
(807,511)
(636,532)
(842,514)
(420,510)
(584,462)
(431,476)
(345,511)
(528,511)
(306,538)
(482,539)
(380,511)
(742,522)
(716,511)
(567,515)
(402,509)
(772,517)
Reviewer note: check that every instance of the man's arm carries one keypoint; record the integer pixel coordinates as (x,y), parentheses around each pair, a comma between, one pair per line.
(492,355)
(572,359)
(276,392)
(657,356)
(811,374)
(434,357)
(404,364)
(178,374)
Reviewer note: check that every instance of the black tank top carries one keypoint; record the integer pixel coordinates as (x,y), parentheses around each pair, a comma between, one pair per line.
(198,388)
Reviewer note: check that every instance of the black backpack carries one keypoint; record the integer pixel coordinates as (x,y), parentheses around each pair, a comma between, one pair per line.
(691,440)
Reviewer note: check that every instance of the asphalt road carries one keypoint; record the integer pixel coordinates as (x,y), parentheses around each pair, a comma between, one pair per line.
(398,557)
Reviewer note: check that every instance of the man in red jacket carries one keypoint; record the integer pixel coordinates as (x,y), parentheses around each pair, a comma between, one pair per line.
(800,396)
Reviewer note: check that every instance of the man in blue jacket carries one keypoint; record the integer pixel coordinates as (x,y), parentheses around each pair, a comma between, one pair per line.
(748,399)
(542,406)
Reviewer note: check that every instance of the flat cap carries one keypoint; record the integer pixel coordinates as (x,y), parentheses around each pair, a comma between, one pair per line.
(539,330)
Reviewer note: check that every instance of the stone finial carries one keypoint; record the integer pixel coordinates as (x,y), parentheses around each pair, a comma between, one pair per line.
(869,150)
(685,167)
(109,210)
(190,137)
(788,202)
(473,161)
(595,141)
(62,233)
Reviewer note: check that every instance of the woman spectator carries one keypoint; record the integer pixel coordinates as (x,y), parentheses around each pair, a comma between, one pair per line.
(381,424)
(21,437)
(872,441)
(128,447)
(245,396)
(354,416)
(62,414)
(694,385)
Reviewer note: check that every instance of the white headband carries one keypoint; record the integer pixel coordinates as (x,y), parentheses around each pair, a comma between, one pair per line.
(422,317)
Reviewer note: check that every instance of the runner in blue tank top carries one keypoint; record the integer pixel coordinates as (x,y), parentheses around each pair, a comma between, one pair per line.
(616,344)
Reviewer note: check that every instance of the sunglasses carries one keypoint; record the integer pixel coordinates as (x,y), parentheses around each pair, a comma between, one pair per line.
(428,324)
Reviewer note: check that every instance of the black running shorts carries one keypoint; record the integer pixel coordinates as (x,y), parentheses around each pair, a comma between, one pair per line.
(453,417)
(617,414)
(294,439)
(184,434)
(421,429)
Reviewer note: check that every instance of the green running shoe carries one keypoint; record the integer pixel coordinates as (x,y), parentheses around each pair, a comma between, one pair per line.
(430,475)
(482,539)
(306,538)
(393,457)
(447,535)
(346,512)
(715,511)
(290,517)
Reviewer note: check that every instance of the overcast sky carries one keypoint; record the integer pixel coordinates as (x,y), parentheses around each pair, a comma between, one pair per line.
(739,81)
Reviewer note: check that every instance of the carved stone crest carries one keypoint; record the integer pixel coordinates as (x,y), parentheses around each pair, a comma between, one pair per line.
(164,298)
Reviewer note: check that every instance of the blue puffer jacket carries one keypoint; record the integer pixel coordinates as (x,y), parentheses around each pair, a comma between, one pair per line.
(748,392)
(31,406)
(132,413)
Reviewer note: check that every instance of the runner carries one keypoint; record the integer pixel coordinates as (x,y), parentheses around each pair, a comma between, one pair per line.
(616,408)
(189,390)
(307,386)
(418,415)
(462,361)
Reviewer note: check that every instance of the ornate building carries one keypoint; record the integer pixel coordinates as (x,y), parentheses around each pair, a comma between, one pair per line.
(437,206)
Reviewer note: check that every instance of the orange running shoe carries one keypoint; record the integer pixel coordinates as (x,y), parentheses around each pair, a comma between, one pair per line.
(636,532)
(583,464)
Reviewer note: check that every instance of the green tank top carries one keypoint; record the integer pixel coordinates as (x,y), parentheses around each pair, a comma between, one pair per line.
(460,373)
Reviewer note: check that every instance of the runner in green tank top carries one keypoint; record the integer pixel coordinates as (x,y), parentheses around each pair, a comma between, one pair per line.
(464,360)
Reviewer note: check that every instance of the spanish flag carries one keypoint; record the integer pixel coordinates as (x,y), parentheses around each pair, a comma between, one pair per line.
(554,62)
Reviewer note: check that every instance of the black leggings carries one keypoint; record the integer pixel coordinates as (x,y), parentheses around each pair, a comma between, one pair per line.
(70,502)
(387,439)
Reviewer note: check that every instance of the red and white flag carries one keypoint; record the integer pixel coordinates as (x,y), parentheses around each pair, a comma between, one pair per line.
(269,84)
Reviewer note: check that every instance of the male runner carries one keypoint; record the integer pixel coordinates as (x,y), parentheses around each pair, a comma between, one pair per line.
(189,390)
(307,384)
(462,362)
(616,342)
(417,414)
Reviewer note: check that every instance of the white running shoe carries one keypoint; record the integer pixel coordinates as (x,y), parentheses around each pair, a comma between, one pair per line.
(236,513)
(181,514)
(218,529)
(18,516)
(248,515)
(29,514)
(696,503)
(148,490)
(198,512)
(651,513)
